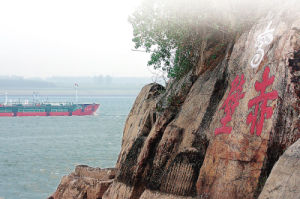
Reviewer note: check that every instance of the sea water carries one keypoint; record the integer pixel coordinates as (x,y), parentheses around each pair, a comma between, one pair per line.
(36,152)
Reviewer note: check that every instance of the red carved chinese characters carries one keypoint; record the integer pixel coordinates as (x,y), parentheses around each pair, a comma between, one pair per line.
(261,102)
(231,103)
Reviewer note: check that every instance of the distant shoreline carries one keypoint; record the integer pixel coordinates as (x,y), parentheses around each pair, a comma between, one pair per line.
(70,92)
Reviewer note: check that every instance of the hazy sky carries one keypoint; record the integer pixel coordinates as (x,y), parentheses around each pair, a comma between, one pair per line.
(68,37)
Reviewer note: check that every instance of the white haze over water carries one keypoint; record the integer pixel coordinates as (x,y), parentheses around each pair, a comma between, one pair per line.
(40,38)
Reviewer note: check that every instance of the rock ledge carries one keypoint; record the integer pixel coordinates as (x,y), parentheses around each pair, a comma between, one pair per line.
(85,182)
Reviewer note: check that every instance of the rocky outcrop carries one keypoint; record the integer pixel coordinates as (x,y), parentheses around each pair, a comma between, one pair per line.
(237,163)
(215,133)
(284,180)
(221,138)
(140,119)
(85,183)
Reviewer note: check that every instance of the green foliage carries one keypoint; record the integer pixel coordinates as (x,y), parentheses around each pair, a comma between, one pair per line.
(165,36)
(173,101)
(159,108)
(173,31)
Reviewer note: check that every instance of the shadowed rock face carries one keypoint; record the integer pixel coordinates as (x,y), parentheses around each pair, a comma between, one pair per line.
(139,122)
(284,180)
(185,150)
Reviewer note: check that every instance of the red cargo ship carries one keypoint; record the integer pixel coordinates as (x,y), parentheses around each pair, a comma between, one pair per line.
(47,109)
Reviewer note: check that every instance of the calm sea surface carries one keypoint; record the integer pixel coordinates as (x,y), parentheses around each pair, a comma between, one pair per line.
(35,152)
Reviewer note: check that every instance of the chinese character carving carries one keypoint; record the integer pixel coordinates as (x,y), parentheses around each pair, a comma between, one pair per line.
(230,104)
(263,39)
(260,103)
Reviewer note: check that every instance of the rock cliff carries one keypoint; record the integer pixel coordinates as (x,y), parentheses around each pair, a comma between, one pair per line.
(218,133)
(284,180)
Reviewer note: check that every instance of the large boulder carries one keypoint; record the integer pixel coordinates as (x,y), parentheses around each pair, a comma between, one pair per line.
(284,180)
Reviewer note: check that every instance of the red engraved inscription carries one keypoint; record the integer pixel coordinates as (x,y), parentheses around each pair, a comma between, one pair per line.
(232,101)
(260,102)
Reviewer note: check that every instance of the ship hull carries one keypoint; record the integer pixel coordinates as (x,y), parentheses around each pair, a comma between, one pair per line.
(31,114)
(48,110)
(6,114)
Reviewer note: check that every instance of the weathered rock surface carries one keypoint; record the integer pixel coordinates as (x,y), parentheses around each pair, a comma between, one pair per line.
(284,180)
(216,134)
(85,183)
(188,150)
(236,164)
(141,117)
